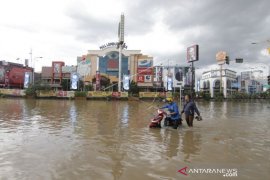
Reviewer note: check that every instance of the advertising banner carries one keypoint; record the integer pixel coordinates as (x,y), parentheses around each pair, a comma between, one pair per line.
(12,92)
(193,53)
(2,75)
(144,63)
(83,66)
(98,93)
(126,82)
(157,74)
(64,94)
(46,93)
(145,71)
(57,67)
(26,79)
(154,94)
(112,65)
(140,78)
(98,80)
(169,83)
(147,78)
(221,57)
(74,81)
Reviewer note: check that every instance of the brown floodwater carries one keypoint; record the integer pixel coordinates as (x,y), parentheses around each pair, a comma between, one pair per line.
(67,139)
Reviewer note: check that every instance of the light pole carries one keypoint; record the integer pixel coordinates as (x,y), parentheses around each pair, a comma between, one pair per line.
(34,68)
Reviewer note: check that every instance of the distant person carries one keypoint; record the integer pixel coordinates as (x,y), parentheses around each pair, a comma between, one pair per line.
(189,109)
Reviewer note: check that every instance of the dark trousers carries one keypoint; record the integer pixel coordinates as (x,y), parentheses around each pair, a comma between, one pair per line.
(189,120)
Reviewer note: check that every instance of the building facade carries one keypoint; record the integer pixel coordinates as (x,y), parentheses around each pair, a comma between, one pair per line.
(55,74)
(12,75)
(106,62)
(214,81)
(252,81)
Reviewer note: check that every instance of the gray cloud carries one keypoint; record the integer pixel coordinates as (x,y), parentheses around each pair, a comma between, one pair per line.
(224,25)
(229,25)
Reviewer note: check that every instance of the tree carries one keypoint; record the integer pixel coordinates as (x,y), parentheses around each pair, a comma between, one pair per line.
(133,88)
(65,84)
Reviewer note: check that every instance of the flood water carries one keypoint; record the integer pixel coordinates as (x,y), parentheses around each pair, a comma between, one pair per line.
(68,139)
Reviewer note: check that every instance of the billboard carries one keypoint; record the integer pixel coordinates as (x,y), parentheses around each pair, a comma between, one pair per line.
(98,80)
(239,60)
(126,82)
(83,66)
(145,71)
(112,65)
(57,67)
(109,64)
(145,63)
(221,57)
(2,75)
(157,74)
(27,76)
(169,83)
(193,53)
(140,78)
(74,81)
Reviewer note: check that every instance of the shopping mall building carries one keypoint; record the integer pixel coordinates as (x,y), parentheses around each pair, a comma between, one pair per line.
(106,61)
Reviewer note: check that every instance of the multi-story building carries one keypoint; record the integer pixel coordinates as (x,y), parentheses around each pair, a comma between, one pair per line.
(252,81)
(106,62)
(214,81)
(54,75)
(12,75)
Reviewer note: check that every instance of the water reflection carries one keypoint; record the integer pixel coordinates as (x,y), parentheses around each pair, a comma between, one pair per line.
(191,144)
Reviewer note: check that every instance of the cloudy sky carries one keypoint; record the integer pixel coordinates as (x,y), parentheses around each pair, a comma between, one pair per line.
(65,29)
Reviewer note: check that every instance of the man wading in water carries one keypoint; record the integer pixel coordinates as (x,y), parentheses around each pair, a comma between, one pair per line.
(189,109)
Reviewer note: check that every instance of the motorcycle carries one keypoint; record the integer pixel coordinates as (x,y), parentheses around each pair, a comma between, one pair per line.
(173,123)
(156,121)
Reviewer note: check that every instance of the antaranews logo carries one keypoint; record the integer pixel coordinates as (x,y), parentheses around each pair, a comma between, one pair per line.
(222,171)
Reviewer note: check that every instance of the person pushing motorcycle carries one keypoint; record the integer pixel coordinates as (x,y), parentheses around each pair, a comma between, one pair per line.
(175,116)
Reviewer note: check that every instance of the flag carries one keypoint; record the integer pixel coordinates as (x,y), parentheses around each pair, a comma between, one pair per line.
(18,59)
(268,49)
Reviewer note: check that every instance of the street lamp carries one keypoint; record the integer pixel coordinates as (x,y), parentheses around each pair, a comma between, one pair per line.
(34,67)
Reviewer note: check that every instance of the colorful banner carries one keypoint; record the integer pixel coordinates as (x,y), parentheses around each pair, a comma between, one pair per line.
(126,82)
(169,83)
(98,80)
(50,93)
(103,94)
(112,65)
(2,75)
(193,53)
(140,78)
(98,94)
(26,79)
(12,92)
(145,71)
(154,94)
(74,81)
(144,63)
(64,94)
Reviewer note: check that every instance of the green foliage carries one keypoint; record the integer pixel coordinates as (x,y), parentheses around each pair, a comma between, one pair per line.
(31,91)
(88,87)
(133,89)
(219,96)
(65,84)
(206,96)
(80,93)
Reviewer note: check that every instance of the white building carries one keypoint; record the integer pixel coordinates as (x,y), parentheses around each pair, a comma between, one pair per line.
(210,82)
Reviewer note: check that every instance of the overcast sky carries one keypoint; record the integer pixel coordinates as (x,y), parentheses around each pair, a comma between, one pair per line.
(65,29)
